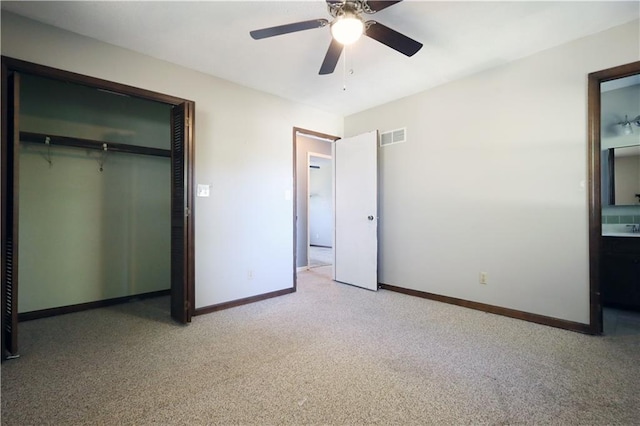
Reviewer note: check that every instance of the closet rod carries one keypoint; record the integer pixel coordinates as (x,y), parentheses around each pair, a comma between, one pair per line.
(91,144)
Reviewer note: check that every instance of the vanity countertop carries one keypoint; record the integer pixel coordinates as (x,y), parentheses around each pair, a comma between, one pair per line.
(621,234)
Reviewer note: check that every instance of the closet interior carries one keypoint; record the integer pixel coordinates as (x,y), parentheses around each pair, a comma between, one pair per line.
(94,196)
(97,196)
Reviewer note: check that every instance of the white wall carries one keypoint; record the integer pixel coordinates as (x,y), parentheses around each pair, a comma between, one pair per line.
(243,150)
(321,202)
(492,178)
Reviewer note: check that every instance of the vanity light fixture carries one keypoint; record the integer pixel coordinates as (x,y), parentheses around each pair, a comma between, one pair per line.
(627,126)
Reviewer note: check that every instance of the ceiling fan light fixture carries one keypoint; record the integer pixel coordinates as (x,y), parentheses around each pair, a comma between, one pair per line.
(347,25)
(347,28)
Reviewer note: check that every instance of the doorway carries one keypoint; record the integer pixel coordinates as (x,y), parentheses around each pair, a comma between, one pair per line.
(305,142)
(614,250)
(354,205)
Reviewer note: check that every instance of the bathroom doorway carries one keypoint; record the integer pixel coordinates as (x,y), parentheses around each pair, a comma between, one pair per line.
(614,244)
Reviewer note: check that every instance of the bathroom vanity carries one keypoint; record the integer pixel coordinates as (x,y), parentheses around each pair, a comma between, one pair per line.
(620,269)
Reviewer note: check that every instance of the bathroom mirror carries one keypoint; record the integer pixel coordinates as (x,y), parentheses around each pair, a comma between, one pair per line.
(622,168)
(620,144)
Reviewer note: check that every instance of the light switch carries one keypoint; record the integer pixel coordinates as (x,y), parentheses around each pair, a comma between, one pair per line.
(203,190)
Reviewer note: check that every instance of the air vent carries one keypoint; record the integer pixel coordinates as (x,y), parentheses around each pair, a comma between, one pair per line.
(393,136)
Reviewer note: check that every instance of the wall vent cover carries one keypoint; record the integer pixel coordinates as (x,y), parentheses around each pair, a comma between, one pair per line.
(393,136)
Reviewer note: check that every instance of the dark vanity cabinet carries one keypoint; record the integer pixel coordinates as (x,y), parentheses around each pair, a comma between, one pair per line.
(620,268)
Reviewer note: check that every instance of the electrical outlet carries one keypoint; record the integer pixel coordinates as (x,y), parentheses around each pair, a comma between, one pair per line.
(483,277)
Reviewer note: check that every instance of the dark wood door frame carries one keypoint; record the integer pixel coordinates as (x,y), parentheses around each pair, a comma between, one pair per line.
(12,66)
(595,201)
(296,132)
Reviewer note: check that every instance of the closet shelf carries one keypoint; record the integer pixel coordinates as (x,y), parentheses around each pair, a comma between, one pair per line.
(40,138)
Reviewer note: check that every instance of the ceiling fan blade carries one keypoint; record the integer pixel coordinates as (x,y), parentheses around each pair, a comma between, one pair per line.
(331,58)
(392,38)
(288,28)
(377,6)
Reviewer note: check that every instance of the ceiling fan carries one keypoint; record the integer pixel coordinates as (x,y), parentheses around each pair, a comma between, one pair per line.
(346,27)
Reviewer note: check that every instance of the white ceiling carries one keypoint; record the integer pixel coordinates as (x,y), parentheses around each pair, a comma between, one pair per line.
(460,38)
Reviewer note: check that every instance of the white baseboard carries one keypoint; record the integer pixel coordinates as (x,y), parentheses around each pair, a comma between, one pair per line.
(302,268)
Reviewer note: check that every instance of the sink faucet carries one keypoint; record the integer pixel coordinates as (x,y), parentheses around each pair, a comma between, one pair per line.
(634,228)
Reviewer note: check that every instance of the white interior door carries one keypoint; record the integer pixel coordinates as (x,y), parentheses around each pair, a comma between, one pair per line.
(355,249)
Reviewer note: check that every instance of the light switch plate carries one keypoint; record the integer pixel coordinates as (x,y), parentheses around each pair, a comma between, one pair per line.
(203,190)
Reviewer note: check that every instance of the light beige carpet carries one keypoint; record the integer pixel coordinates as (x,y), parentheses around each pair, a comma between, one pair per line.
(328,354)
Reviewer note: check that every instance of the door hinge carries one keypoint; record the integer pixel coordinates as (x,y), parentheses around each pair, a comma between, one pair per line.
(187,212)
(187,305)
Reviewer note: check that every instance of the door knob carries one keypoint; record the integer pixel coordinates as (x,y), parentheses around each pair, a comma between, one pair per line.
(370,217)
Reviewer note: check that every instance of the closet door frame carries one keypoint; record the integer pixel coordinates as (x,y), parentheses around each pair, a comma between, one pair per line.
(184,280)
